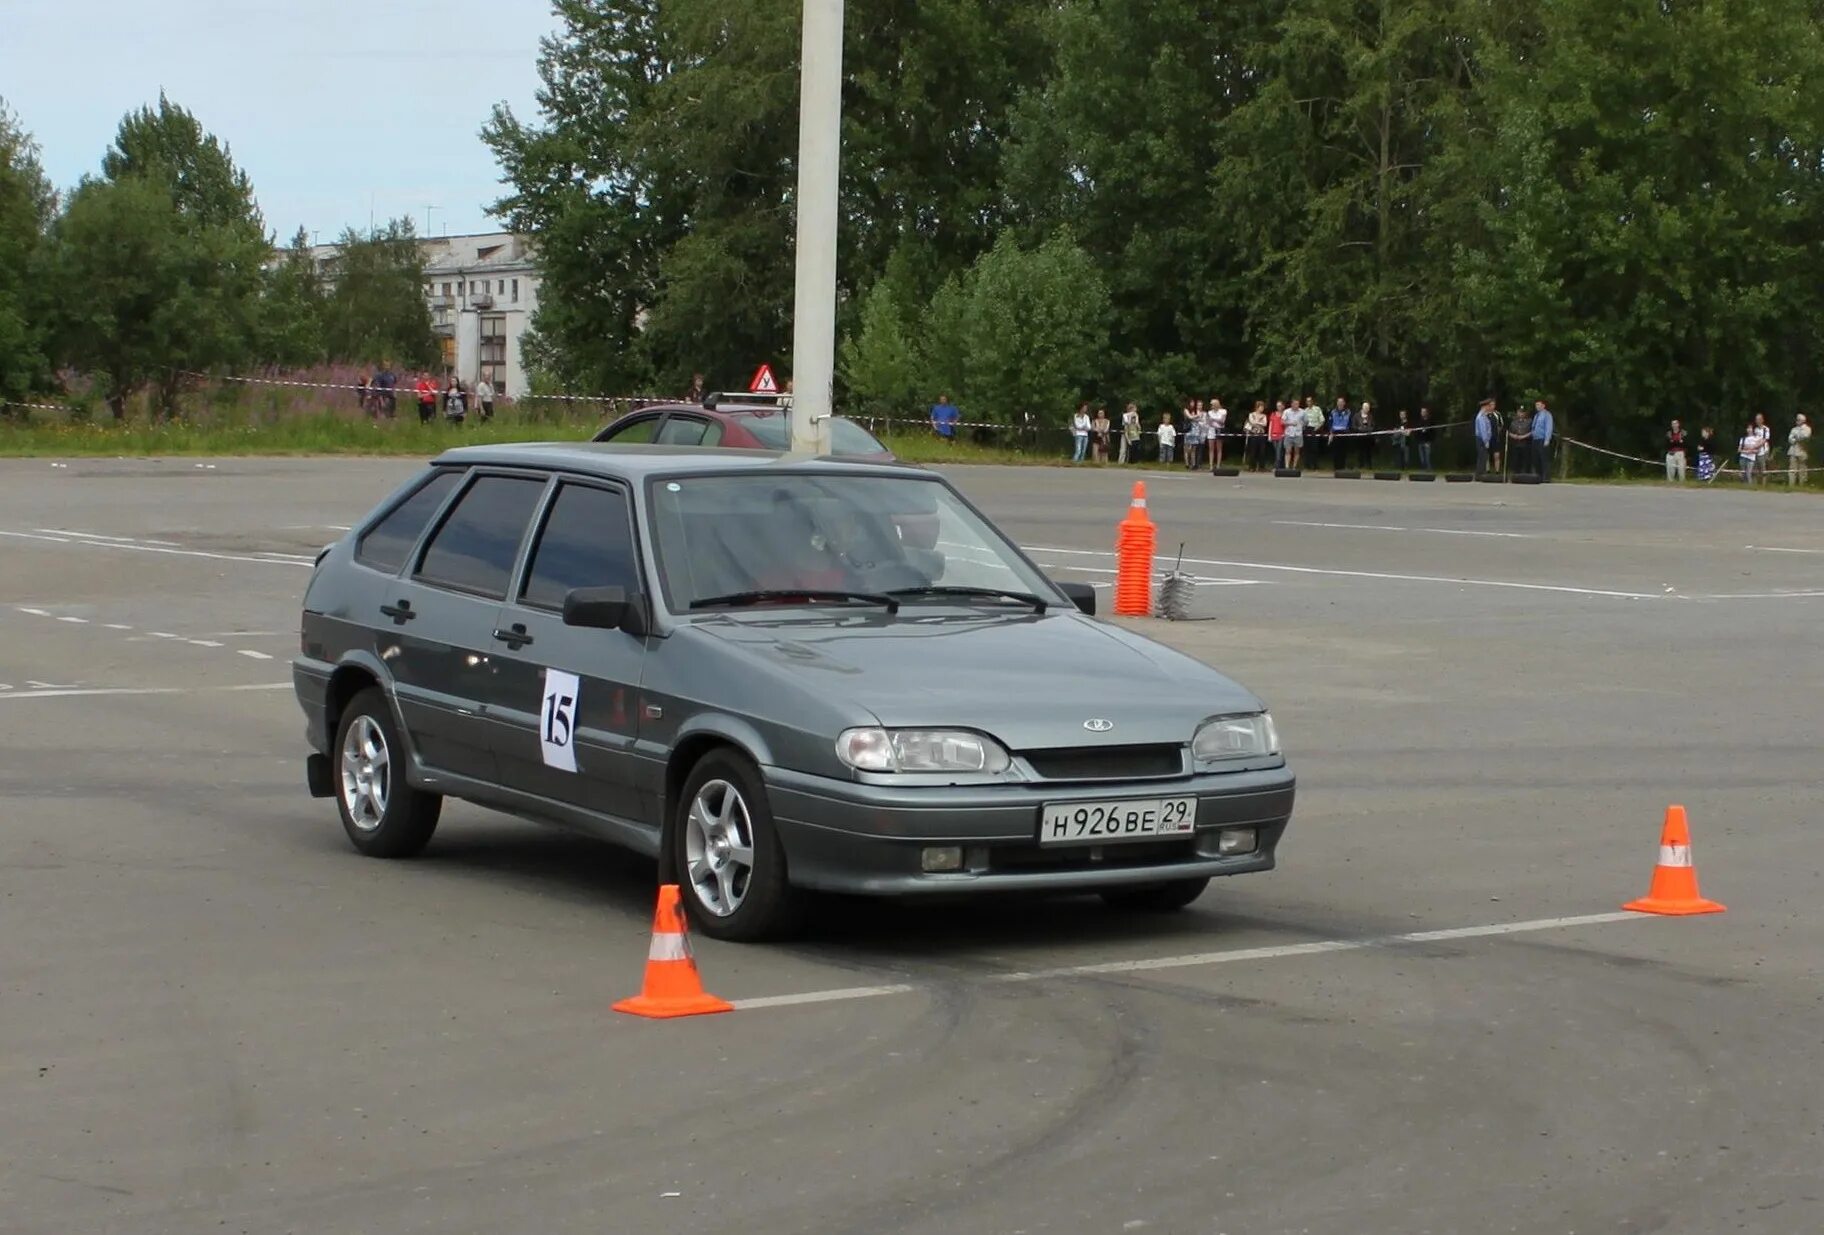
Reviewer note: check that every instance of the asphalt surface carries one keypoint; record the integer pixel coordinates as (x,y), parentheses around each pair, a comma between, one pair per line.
(215,1016)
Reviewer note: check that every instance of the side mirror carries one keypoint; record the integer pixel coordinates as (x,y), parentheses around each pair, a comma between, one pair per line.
(605,608)
(1082,595)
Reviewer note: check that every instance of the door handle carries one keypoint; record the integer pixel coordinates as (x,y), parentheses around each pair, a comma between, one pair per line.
(515,638)
(401,613)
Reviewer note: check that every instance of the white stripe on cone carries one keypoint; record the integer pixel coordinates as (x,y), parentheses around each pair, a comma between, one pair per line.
(1675,855)
(669,948)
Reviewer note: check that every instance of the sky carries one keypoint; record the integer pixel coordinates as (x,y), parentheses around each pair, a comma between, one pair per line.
(340,111)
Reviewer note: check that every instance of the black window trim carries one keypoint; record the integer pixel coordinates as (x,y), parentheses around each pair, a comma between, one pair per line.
(522,574)
(405,495)
(416,561)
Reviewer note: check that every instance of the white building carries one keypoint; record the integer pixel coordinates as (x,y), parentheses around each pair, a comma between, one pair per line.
(482,291)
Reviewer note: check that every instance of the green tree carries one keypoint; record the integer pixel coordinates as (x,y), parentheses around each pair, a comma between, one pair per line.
(293,309)
(1035,320)
(26,206)
(158,266)
(375,310)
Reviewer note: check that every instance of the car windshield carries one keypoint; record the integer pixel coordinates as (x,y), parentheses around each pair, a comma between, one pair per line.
(846,437)
(730,535)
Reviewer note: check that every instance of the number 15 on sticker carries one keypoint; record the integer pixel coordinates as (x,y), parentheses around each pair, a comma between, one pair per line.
(557,719)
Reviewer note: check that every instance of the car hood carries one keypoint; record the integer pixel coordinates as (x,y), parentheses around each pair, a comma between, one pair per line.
(1031,682)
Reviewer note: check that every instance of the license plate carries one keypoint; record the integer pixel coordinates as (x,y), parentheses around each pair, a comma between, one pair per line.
(1084,823)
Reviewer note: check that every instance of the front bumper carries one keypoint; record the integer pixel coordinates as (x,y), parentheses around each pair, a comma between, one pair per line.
(840,836)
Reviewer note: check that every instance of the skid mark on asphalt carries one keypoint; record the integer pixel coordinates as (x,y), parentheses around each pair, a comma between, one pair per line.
(1196,960)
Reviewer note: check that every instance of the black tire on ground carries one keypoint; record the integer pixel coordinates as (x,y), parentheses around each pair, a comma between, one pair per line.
(1423,476)
(1157,897)
(1288,471)
(1524,478)
(1390,475)
(1348,474)
(768,907)
(1225,471)
(399,820)
(1459,478)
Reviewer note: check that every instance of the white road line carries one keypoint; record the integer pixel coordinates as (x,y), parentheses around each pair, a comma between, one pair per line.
(116,626)
(146,548)
(1382,527)
(203,643)
(75,621)
(1202,959)
(163,634)
(1777,549)
(64,692)
(125,540)
(253,655)
(1373,574)
(34,612)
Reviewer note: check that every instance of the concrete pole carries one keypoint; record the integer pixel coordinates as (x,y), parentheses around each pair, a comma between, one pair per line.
(819,165)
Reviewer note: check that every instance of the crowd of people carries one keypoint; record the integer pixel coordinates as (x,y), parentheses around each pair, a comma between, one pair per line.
(1294,435)
(1704,455)
(378,397)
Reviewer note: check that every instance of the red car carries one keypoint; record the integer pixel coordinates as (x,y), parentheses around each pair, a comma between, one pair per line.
(745,425)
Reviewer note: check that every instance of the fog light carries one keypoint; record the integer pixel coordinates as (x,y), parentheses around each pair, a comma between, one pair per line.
(1231,841)
(938,858)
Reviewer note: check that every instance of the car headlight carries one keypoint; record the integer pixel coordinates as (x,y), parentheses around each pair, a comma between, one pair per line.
(920,750)
(1235,737)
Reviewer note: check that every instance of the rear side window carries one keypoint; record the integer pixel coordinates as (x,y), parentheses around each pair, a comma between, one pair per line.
(632,429)
(686,431)
(475,548)
(386,545)
(587,542)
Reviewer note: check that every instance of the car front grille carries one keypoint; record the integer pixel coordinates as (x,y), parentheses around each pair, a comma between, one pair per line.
(1107,762)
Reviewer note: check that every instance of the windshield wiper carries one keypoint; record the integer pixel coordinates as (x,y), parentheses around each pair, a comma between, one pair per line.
(1038,603)
(796,593)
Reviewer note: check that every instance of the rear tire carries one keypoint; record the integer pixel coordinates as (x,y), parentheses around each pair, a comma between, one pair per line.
(383,816)
(1157,897)
(726,856)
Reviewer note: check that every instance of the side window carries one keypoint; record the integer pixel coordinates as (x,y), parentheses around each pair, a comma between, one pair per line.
(587,541)
(474,549)
(386,545)
(683,431)
(633,429)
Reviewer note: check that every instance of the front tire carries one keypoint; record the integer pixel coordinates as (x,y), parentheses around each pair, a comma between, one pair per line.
(1157,897)
(726,853)
(383,816)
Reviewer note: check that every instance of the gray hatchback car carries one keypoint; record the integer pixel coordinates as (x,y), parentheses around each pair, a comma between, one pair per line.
(772,674)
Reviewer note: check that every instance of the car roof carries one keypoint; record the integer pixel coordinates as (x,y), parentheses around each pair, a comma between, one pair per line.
(634,462)
(736,409)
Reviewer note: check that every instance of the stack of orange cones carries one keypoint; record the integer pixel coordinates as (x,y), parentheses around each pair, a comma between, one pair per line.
(1674,887)
(1135,543)
(672,987)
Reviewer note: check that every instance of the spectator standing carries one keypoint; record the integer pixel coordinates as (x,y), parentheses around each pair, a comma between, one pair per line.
(693,393)
(363,399)
(945,416)
(1079,434)
(1520,441)
(1193,432)
(1422,438)
(1130,434)
(1545,428)
(1294,436)
(455,405)
(1678,452)
(1338,439)
(1168,438)
(427,399)
(1402,440)
(1798,454)
(1098,434)
(1254,436)
(1764,436)
(1276,434)
(1487,432)
(386,392)
(1706,454)
(1364,436)
(1216,429)
(1314,430)
(1749,450)
(484,398)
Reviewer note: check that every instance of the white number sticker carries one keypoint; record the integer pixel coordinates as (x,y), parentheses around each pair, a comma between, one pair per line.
(557,719)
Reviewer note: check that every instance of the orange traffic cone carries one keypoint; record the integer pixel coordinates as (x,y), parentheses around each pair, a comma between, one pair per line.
(1134,545)
(672,987)
(1674,887)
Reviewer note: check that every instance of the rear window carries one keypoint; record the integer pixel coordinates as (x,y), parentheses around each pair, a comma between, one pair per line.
(387,544)
(476,547)
(846,437)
